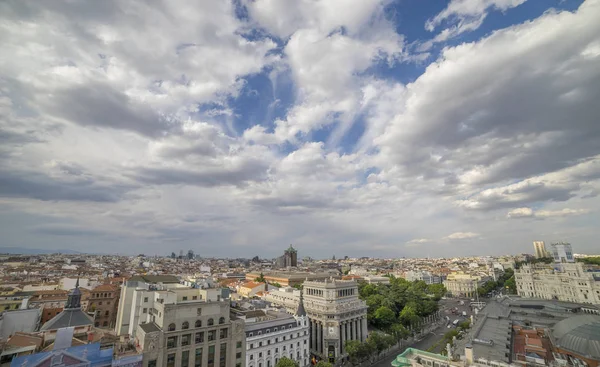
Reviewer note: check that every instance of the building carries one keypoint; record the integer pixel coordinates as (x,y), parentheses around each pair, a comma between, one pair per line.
(562,252)
(287,278)
(271,334)
(567,282)
(424,276)
(133,292)
(290,257)
(180,330)
(539,249)
(336,315)
(71,316)
(286,297)
(250,289)
(576,341)
(461,285)
(104,300)
(19,321)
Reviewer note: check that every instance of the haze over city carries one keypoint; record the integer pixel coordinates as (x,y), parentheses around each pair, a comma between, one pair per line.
(359,128)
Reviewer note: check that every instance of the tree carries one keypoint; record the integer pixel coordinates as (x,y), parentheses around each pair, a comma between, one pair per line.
(408,316)
(260,278)
(399,331)
(438,290)
(286,362)
(385,317)
(323,364)
(511,285)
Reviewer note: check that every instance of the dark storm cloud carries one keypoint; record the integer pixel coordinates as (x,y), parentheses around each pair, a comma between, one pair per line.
(252,170)
(35,185)
(65,230)
(99,105)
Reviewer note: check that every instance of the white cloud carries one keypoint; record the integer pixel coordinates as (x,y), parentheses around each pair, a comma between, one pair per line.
(417,242)
(461,236)
(542,214)
(464,16)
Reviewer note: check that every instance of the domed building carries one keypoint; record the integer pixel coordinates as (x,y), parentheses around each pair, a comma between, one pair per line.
(578,338)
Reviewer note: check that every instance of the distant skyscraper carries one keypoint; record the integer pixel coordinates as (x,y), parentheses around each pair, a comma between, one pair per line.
(540,249)
(562,252)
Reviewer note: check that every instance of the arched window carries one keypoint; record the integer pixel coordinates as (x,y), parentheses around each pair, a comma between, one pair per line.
(221,320)
(185,325)
(198,323)
(171,327)
(211,322)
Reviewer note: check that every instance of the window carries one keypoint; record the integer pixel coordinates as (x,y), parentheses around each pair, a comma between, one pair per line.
(238,355)
(185,298)
(221,320)
(211,356)
(152,363)
(276,350)
(198,359)
(100,303)
(185,339)
(212,335)
(251,356)
(171,327)
(211,322)
(198,323)
(223,355)
(171,342)
(171,360)
(185,325)
(222,333)
(194,298)
(106,313)
(268,352)
(145,310)
(185,358)
(260,355)
(105,323)
(251,345)
(199,311)
(238,344)
(200,337)
(260,344)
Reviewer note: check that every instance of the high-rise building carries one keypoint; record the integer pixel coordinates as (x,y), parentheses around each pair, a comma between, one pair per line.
(291,257)
(562,252)
(180,330)
(539,248)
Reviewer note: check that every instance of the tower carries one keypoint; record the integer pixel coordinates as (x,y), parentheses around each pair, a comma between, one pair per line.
(539,248)
(290,257)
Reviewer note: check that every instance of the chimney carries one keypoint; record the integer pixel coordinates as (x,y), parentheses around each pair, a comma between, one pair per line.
(469,354)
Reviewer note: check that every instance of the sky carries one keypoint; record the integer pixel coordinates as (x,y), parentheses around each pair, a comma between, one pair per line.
(375,128)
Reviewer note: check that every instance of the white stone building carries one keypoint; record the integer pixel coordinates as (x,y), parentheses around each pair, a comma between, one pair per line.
(461,285)
(562,282)
(286,297)
(274,334)
(336,315)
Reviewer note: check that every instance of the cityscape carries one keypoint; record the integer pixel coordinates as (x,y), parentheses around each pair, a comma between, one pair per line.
(533,309)
(299,183)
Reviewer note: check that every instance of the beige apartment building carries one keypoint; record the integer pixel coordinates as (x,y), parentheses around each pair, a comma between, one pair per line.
(461,285)
(181,331)
(563,282)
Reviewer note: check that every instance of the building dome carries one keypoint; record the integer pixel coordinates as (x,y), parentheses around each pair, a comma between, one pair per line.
(579,335)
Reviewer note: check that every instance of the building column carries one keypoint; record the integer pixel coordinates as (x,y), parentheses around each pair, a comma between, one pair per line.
(360,332)
(313,332)
(352,330)
(357,322)
(341,340)
(319,337)
(365,330)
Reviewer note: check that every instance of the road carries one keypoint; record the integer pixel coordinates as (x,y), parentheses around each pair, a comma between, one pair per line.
(437,334)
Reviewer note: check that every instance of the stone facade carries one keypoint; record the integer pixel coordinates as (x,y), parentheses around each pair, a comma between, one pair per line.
(461,285)
(104,300)
(336,315)
(191,333)
(562,282)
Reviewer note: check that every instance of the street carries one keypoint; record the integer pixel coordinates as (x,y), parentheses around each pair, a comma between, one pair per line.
(433,337)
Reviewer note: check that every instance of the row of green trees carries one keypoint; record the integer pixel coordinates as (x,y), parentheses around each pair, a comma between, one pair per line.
(500,283)
(375,344)
(401,304)
(286,362)
(593,260)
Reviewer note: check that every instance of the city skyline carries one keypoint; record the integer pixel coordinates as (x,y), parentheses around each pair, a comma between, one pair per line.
(381,128)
